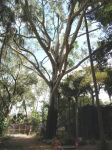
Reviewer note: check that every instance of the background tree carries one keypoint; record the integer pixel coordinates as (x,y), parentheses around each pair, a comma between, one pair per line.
(15,86)
(108,83)
(72,88)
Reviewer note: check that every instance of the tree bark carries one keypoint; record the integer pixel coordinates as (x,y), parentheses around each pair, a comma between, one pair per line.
(92,96)
(52,117)
(69,116)
(25,108)
(110,99)
(76,118)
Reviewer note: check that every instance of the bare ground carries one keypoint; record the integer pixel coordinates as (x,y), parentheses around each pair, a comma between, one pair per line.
(24,142)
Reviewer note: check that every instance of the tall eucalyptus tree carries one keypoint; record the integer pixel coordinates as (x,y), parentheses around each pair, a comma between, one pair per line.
(45,31)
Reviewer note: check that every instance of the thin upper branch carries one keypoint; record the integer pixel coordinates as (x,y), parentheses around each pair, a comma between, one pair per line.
(88,32)
(102,47)
(2,48)
(33,64)
(76,31)
(77,65)
(45,47)
(68,28)
(24,36)
(45,70)
(26,50)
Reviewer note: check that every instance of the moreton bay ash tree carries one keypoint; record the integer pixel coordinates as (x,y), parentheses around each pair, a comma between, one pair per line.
(45,31)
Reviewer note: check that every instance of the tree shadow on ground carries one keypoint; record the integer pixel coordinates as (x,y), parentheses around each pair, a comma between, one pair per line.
(23,143)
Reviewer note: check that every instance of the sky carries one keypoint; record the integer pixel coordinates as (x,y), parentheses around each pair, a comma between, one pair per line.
(104,96)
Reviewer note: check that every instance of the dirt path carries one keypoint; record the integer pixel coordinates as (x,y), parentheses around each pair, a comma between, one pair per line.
(23,143)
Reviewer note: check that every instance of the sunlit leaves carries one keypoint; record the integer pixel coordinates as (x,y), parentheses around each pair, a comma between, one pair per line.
(108,82)
(101,76)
